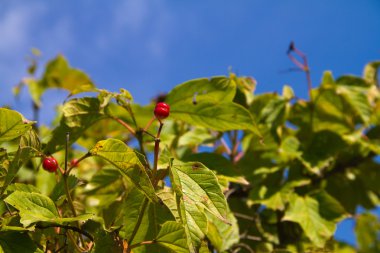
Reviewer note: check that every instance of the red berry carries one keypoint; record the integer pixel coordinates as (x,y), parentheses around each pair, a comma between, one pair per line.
(162,110)
(74,163)
(50,164)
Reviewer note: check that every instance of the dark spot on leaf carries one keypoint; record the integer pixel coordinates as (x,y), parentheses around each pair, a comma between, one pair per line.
(194,98)
(196,166)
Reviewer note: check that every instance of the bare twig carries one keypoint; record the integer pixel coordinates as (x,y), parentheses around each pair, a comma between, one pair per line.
(304,66)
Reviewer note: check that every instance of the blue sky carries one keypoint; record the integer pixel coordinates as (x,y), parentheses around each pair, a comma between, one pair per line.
(150,46)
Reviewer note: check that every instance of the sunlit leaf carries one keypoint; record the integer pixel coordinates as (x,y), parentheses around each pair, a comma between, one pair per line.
(305,211)
(217,116)
(222,235)
(195,91)
(368,233)
(172,236)
(197,190)
(126,160)
(77,115)
(35,207)
(12,125)
(370,73)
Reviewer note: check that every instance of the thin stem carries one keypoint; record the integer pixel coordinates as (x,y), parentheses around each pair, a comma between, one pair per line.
(156,152)
(69,199)
(67,149)
(129,109)
(235,145)
(139,138)
(124,124)
(155,181)
(139,220)
(309,84)
(79,249)
(149,123)
(226,147)
(66,185)
(302,66)
(296,62)
(142,243)
(78,161)
(151,135)
(36,110)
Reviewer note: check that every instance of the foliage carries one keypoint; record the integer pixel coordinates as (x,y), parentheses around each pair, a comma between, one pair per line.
(227,171)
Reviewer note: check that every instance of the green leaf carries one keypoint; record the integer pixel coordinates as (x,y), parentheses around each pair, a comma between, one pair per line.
(195,91)
(368,233)
(104,180)
(77,115)
(358,100)
(22,187)
(58,194)
(269,189)
(218,163)
(305,211)
(35,207)
(327,78)
(136,206)
(350,190)
(287,92)
(222,235)
(352,81)
(59,74)
(132,208)
(12,125)
(197,189)
(370,73)
(246,85)
(196,137)
(126,160)
(330,209)
(106,242)
(168,198)
(172,236)
(217,116)
(29,146)
(17,242)
(329,111)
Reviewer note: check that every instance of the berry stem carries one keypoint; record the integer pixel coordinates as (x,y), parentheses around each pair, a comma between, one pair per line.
(77,162)
(67,150)
(156,152)
(155,181)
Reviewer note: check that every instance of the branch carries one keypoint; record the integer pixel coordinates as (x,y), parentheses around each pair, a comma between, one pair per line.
(73,228)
